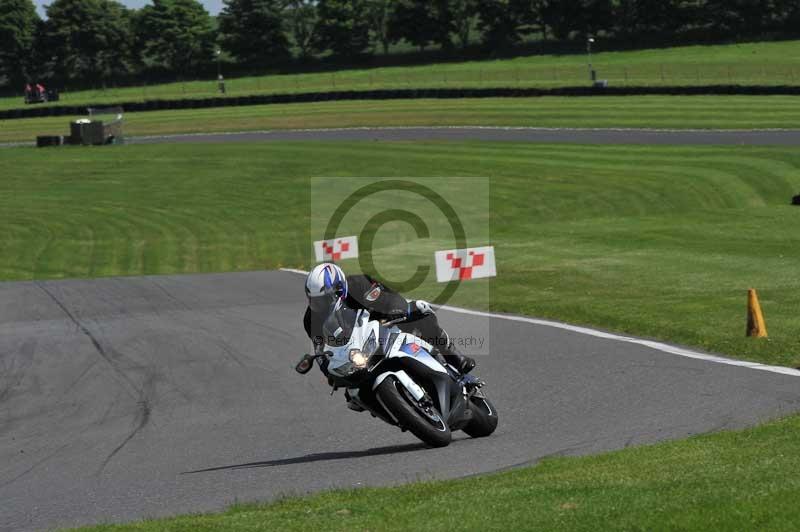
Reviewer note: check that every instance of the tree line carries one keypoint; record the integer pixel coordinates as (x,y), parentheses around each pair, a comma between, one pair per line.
(94,42)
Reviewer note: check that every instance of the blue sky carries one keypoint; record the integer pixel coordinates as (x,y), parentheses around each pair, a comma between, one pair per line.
(212,6)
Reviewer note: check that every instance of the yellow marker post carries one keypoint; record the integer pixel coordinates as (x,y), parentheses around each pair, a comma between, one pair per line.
(755,318)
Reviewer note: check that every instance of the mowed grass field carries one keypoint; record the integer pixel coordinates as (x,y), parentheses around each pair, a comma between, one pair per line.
(728,481)
(672,112)
(654,241)
(768,63)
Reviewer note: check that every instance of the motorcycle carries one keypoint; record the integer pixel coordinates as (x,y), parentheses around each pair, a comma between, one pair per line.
(397,378)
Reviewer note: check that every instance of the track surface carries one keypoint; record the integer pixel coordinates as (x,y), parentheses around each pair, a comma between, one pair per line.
(756,137)
(510,134)
(113,391)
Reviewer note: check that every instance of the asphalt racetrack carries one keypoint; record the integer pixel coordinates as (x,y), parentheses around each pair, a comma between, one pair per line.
(777,137)
(126,398)
(700,137)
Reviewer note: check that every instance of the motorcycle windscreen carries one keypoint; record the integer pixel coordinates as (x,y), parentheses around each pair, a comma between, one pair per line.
(339,325)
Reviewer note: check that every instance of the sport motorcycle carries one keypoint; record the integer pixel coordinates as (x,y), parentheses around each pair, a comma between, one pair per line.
(399,378)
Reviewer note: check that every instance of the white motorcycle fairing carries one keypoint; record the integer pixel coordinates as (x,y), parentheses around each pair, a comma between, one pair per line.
(408,346)
(361,354)
(339,362)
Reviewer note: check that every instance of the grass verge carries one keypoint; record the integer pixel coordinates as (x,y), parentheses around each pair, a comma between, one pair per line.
(677,112)
(727,481)
(767,63)
(654,241)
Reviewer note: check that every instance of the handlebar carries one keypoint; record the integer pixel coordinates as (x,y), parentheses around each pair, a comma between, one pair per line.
(395,321)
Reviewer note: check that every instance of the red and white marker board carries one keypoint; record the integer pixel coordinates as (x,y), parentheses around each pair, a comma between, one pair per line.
(465,264)
(336,249)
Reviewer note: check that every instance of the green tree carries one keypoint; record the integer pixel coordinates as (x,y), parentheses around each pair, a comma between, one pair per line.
(302,20)
(501,22)
(415,21)
(649,17)
(582,17)
(739,18)
(253,31)
(789,17)
(343,27)
(176,35)
(88,41)
(18,21)
(380,14)
(465,15)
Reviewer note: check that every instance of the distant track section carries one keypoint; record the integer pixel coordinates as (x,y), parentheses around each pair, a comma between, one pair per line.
(402,94)
(766,137)
(609,136)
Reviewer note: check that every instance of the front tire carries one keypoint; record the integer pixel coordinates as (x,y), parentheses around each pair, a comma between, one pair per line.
(484,418)
(424,422)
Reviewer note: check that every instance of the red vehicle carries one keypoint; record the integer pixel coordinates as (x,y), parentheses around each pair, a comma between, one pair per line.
(36,93)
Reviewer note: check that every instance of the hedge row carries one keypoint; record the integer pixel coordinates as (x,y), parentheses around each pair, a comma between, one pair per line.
(401,94)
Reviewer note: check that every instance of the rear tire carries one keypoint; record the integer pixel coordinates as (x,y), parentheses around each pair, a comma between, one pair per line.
(408,417)
(484,418)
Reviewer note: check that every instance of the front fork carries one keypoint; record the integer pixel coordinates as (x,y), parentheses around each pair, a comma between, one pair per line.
(355,403)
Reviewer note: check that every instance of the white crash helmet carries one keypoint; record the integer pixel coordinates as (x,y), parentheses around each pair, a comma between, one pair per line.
(325,285)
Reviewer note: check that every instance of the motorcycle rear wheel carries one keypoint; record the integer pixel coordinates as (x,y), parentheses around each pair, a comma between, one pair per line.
(424,422)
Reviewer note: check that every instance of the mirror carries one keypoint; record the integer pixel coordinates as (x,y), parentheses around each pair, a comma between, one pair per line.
(305,364)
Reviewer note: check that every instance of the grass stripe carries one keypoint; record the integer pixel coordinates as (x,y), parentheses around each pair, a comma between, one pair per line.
(666,112)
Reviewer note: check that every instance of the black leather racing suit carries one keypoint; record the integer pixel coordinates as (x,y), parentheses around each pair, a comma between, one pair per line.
(381,302)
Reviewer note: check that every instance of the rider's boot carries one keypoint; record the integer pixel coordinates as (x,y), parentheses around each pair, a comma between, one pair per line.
(462,363)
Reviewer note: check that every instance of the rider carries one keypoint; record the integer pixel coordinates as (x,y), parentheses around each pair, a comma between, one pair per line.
(327,282)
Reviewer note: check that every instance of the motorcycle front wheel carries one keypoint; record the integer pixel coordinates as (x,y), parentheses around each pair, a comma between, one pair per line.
(423,420)
(484,418)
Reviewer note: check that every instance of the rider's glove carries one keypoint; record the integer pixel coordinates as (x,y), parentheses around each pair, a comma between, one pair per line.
(423,307)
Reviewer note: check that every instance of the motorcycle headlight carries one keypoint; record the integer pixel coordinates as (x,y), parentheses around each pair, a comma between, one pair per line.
(359,357)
